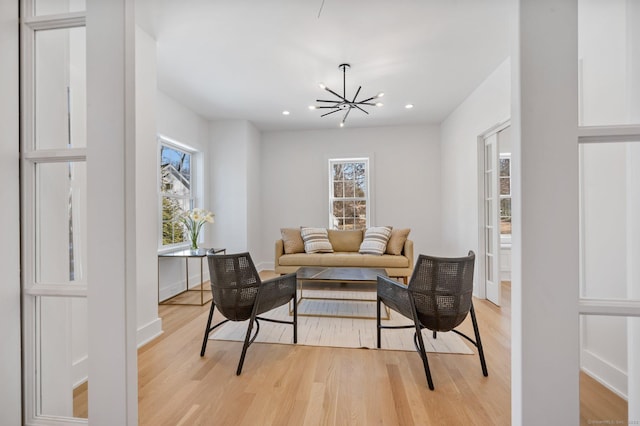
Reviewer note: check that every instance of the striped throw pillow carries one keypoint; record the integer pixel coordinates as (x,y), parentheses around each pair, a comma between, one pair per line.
(316,240)
(375,240)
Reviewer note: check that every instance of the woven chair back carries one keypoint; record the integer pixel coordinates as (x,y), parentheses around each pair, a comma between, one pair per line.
(442,289)
(234,284)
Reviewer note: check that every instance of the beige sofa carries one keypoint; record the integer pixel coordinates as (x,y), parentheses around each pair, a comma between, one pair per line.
(346,246)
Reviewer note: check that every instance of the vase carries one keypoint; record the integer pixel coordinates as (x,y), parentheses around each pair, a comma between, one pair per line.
(194,243)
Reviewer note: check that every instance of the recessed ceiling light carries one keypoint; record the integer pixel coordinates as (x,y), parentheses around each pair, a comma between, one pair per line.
(285,113)
(408,106)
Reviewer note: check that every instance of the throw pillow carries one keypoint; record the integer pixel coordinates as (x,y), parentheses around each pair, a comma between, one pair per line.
(292,240)
(375,240)
(316,240)
(345,241)
(397,240)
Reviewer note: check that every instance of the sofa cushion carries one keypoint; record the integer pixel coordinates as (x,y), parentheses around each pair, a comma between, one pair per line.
(292,240)
(345,240)
(316,240)
(396,241)
(375,240)
(344,259)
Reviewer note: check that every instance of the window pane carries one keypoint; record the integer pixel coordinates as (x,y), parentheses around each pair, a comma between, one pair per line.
(609,354)
(338,189)
(505,169)
(505,186)
(610,220)
(175,170)
(60,89)
(337,172)
(488,185)
(505,216)
(61,354)
(54,7)
(361,214)
(60,222)
(608,38)
(173,231)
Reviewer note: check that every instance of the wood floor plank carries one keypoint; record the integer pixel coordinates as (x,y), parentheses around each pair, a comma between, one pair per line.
(304,385)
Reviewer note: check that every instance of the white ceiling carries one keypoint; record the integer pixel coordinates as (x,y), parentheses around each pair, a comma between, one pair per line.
(252,59)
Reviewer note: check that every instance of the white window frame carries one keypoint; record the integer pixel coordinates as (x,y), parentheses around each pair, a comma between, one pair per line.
(367,199)
(195,192)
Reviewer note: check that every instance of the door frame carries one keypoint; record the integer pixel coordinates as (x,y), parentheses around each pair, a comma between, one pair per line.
(480,288)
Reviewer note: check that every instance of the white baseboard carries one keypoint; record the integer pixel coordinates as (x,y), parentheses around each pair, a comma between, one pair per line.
(505,275)
(604,372)
(146,333)
(149,331)
(80,371)
(168,290)
(265,266)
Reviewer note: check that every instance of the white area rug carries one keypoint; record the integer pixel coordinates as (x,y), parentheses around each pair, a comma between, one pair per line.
(341,332)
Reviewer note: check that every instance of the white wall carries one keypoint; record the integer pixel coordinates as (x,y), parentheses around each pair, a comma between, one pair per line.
(254,193)
(235,191)
(405,180)
(149,325)
(488,105)
(179,123)
(10,391)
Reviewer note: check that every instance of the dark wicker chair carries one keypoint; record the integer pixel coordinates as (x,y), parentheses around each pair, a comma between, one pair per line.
(240,295)
(438,298)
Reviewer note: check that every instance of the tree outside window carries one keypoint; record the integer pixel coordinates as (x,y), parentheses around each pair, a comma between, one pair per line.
(176,191)
(349,193)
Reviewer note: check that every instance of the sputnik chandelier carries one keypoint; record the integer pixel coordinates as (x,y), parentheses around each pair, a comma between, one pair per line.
(342,103)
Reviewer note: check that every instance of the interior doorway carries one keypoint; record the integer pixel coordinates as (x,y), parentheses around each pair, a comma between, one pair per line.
(494,210)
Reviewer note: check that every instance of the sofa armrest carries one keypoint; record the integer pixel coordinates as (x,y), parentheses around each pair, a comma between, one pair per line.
(279,252)
(407,251)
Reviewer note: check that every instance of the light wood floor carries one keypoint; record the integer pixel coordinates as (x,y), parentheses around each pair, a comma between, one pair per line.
(302,385)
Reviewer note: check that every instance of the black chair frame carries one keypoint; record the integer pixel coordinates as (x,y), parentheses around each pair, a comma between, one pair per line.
(263,288)
(405,304)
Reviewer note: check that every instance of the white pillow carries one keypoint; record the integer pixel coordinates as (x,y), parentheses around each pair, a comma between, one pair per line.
(316,240)
(375,240)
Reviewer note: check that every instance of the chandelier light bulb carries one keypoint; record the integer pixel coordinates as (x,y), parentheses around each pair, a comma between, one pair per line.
(379,104)
(322,86)
(342,124)
(312,107)
(379,95)
(408,106)
(285,113)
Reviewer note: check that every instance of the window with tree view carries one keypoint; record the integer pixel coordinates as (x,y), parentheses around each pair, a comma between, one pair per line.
(505,195)
(349,193)
(176,190)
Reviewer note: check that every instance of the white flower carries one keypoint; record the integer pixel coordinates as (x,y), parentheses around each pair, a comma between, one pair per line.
(194,220)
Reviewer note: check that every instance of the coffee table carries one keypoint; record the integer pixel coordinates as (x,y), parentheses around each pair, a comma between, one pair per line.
(348,275)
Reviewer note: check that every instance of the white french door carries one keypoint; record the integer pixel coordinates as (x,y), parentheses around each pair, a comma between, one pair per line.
(490,212)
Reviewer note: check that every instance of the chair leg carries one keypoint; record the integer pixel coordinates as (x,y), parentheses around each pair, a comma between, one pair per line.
(423,355)
(246,344)
(207,330)
(378,322)
(295,319)
(476,330)
(435,334)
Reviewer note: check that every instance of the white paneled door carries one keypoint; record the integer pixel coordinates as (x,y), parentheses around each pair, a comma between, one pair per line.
(491,231)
